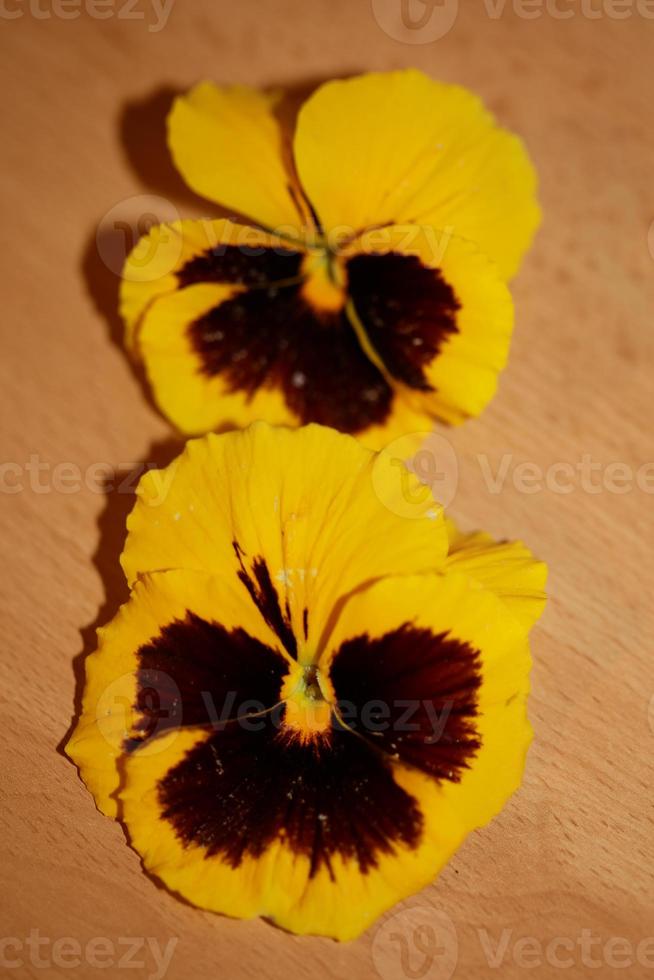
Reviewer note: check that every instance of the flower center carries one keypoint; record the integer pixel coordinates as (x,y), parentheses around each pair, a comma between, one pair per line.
(307,711)
(324,285)
(311,684)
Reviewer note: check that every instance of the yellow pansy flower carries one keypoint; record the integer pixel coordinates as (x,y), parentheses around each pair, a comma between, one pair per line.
(308,700)
(371,296)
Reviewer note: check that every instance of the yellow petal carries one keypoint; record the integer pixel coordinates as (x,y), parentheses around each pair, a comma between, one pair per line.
(279,881)
(442,603)
(406,418)
(310,504)
(157,263)
(398,147)
(219,356)
(507,568)
(227,144)
(505,733)
(110,716)
(193,400)
(446,604)
(451,302)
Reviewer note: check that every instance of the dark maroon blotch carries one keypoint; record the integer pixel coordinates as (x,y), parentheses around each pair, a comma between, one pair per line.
(420,689)
(407,310)
(264,595)
(242,789)
(197,672)
(272,338)
(239,265)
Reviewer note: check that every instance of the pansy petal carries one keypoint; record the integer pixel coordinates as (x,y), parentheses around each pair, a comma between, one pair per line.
(320,840)
(186,649)
(217,356)
(172,256)
(195,400)
(507,568)
(415,664)
(505,734)
(304,517)
(412,149)
(407,419)
(436,317)
(228,146)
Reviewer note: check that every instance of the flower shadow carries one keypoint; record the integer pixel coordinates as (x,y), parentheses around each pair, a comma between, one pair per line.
(142,134)
(119,491)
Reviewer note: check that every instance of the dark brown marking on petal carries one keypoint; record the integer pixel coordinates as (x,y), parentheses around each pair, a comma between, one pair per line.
(255,267)
(407,310)
(264,595)
(427,686)
(305,623)
(252,784)
(272,338)
(197,672)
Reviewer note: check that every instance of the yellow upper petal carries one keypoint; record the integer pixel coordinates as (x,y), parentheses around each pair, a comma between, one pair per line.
(398,147)
(227,144)
(507,568)
(310,503)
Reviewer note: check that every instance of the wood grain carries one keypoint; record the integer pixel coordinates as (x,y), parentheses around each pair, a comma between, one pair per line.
(83,102)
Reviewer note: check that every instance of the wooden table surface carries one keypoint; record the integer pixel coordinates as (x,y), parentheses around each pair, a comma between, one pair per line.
(564,874)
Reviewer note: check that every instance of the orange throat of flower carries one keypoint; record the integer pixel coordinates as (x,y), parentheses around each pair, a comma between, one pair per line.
(324,285)
(307,711)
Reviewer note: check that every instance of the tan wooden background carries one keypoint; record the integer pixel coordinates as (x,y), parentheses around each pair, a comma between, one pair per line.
(83,102)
